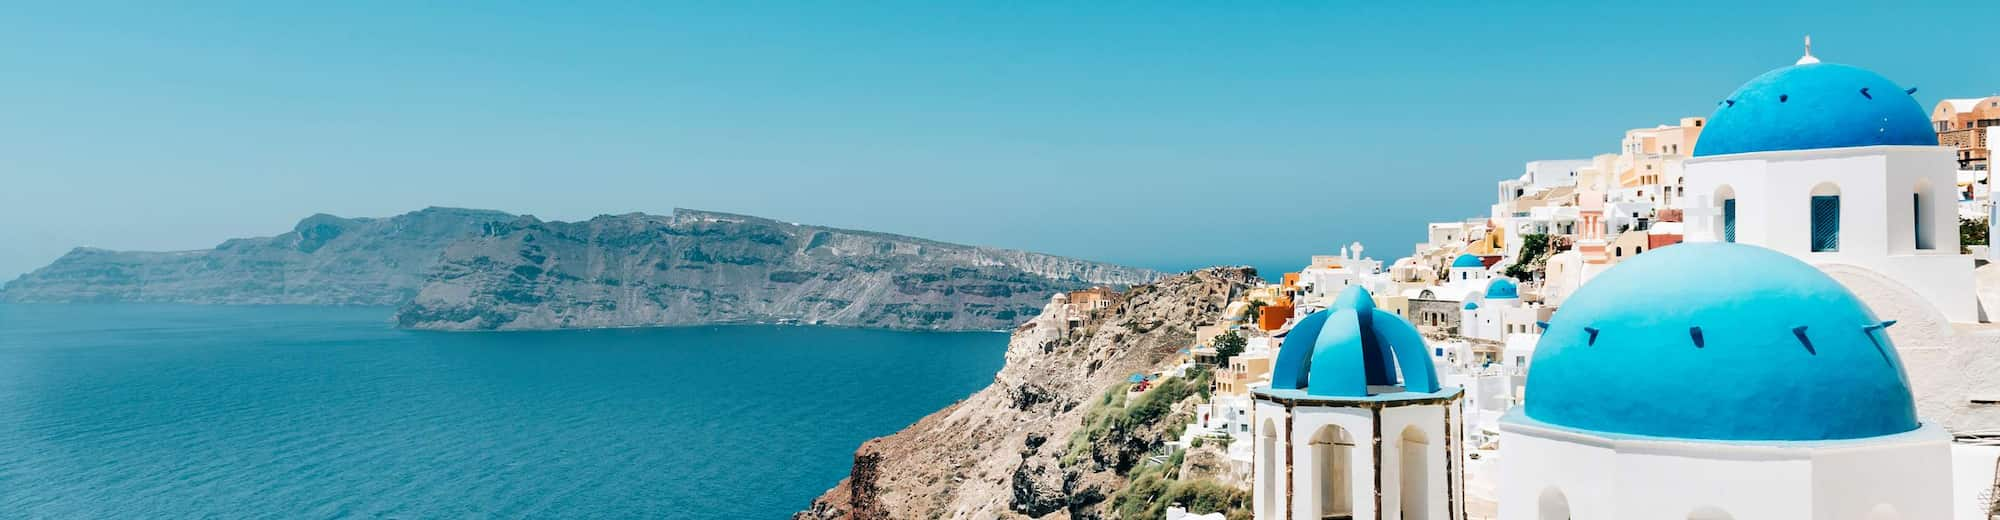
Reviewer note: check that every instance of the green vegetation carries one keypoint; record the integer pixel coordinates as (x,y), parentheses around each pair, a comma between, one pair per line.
(1228,345)
(1535,252)
(1971,232)
(1152,489)
(1153,482)
(1115,414)
(1097,422)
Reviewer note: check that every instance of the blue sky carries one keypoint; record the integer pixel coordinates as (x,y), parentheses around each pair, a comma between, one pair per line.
(1149,133)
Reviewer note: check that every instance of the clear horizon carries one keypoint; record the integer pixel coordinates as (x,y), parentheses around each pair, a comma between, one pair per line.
(1163,136)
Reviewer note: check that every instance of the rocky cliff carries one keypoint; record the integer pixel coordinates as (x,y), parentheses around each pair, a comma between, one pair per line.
(324,260)
(1052,437)
(696,267)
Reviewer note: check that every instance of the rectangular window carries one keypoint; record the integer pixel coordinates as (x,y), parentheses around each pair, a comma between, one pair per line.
(1825,223)
(1729,220)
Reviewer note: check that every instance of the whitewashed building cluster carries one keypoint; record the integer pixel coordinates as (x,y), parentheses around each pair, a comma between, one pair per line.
(1764,313)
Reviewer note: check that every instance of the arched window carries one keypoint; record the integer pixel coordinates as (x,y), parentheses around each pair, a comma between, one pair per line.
(1268,486)
(1920,207)
(1725,197)
(1825,218)
(1416,474)
(1552,505)
(1332,471)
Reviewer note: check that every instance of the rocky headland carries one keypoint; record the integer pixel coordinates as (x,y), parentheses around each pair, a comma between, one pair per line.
(700,267)
(324,260)
(1057,434)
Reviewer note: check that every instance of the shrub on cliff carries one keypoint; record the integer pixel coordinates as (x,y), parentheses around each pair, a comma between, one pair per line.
(1150,491)
(1228,345)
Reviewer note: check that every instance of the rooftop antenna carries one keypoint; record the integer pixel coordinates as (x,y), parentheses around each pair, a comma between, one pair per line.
(1808,59)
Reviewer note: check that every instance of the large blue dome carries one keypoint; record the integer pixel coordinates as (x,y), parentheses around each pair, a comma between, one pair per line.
(1350,347)
(1467,261)
(1502,289)
(1719,341)
(1817,105)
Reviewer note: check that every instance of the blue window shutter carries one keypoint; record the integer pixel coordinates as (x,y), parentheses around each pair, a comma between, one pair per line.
(1729,220)
(1825,223)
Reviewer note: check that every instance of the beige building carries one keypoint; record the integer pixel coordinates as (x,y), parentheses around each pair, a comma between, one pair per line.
(1646,152)
(1962,124)
(1242,371)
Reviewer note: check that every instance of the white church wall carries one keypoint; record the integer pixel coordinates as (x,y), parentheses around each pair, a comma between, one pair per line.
(1631,477)
(1359,425)
(1901,476)
(1429,420)
(1670,480)
(1267,479)
(1715,181)
(1878,230)
(1539,473)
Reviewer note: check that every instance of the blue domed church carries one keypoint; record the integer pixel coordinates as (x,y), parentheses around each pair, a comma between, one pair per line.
(1837,166)
(1355,423)
(1753,386)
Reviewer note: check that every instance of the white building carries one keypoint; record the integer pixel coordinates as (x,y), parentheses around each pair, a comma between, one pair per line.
(1547,174)
(1497,313)
(1355,423)
(1754,387)
(1328,275)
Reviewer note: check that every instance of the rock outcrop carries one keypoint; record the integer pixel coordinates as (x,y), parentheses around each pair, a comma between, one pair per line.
(324,260)
(1036,442)
(698,267)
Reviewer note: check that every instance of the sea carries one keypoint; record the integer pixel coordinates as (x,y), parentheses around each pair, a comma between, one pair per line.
(184,411)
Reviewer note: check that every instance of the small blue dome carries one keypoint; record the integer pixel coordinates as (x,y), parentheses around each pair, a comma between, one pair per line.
(1467,261)
(1820,105)
(1719,341)
(1343,350)
(1501,289)
(1471,306)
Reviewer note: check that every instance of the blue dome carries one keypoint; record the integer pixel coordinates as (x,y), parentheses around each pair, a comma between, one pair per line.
(1719,341)
(1502,288)
(1471,305)
(1821,105)
(1468,261)
(1350,346)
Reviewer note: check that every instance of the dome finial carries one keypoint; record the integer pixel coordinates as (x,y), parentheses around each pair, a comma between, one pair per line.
(1808,59)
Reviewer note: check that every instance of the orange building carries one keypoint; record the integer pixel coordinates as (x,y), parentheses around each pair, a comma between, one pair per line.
(1271,317)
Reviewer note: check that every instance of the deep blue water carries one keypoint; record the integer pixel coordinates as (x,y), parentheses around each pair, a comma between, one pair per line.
(138,411)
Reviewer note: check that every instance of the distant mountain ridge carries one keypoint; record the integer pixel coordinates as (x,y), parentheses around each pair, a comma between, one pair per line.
(465,269)
(324,260)
(699,267)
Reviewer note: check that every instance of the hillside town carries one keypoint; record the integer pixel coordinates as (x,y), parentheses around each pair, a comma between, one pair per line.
(1806,329)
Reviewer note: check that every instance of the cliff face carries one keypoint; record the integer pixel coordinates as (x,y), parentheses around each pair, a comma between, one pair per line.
(701,267)
(324,260)
(1018,447)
